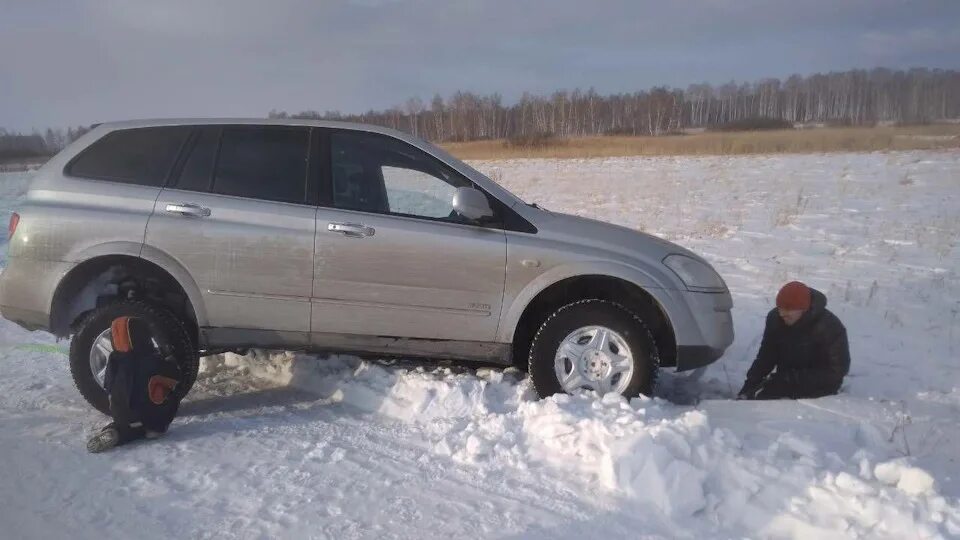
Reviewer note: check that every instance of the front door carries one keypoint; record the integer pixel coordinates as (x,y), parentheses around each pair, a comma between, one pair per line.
(392,258)
(238,220)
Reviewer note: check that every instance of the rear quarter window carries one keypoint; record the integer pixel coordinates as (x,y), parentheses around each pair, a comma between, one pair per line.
(141,156)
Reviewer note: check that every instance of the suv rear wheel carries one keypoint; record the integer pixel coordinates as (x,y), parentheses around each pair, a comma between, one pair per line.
(91,346)
(593,345)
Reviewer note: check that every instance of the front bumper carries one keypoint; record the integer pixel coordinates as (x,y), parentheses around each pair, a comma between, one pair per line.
(706,334)
(696,356)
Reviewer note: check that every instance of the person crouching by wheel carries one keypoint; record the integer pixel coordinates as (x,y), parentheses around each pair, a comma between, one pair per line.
(140,384)
(805,343)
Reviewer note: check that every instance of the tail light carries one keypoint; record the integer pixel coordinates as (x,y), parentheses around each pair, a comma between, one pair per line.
(14,221)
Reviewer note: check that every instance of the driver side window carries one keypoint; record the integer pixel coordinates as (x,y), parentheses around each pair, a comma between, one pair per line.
(376,173)
(416,193)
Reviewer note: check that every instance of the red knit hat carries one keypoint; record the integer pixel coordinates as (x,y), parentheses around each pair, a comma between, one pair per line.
(794,295)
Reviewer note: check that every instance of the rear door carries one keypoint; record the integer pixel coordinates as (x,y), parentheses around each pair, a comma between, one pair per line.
(392,258)
(107,192)
(239,218)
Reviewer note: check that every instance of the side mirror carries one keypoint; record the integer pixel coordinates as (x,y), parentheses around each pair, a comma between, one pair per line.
(472,204)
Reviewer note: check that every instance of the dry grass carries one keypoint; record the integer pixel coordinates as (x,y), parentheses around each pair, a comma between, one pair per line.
(851,139)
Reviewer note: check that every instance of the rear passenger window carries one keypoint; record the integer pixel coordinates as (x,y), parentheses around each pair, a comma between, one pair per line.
(263,162)
(197,172)
(141,156)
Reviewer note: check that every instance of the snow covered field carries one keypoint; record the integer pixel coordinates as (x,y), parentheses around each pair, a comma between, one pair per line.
(284,445)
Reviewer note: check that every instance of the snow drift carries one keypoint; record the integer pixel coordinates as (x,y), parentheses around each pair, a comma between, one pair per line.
(644,450)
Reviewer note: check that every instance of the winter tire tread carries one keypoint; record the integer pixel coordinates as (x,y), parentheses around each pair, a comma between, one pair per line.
(177,336)
(643,332)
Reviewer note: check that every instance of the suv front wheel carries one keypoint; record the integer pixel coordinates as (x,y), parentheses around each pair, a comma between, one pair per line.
(91,346)
(593,345)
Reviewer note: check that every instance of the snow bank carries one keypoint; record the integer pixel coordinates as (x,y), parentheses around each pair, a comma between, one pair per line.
(646,451)
(402,391)
(621,446)
(910,480)
(676,463)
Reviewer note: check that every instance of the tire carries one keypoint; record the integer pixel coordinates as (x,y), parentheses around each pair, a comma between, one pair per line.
(625,325)
(168,331)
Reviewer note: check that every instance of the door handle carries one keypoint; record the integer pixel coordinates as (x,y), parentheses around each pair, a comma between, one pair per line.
(188,209)
(354,230)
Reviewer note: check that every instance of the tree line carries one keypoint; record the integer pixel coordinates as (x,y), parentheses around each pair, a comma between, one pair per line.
(855,97)
(14,145)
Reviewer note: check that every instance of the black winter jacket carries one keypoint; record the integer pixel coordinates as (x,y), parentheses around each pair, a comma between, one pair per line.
(811,357)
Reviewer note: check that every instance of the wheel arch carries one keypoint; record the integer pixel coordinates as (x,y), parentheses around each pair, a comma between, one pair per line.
(634,292)
(105,274)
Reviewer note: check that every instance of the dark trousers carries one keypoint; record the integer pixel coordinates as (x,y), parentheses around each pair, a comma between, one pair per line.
(132,411)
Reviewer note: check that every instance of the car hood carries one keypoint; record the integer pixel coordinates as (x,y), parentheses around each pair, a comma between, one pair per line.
(592,234)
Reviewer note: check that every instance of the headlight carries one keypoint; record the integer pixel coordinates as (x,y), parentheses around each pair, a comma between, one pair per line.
(696,275)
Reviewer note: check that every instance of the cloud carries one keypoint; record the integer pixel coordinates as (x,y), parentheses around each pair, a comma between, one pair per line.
(78,62)
(910,42)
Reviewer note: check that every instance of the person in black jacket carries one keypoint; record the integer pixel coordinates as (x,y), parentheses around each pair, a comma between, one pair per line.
(140,383)
(804,346)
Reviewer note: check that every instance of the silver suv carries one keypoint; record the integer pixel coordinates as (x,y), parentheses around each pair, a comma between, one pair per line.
(335,237)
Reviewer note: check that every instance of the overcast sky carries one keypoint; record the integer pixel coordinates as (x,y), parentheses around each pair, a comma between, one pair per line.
(73,62)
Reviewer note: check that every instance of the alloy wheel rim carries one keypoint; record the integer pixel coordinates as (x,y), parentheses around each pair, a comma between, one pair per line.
(594,358)
(99,354)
